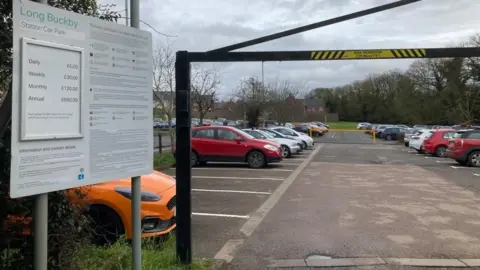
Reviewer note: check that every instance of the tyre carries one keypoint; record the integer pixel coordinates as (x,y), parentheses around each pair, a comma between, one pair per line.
(420,151)
(441,151)
(107,226)
(286,151)
(474,159)
(305,145)
(389,137)
(406,144)
(256,159)
(194,158)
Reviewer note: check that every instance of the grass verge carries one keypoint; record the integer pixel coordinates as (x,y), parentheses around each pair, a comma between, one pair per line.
(342,125)
(119,256)
(163,160)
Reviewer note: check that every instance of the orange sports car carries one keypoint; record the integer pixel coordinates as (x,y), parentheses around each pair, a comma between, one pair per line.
(109,206)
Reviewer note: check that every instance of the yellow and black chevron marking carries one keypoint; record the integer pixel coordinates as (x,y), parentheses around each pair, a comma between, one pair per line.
(368,54)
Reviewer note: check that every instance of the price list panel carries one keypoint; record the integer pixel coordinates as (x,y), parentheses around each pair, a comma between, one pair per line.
(51,91)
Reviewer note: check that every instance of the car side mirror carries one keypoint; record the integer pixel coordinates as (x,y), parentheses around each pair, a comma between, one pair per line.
(238,140)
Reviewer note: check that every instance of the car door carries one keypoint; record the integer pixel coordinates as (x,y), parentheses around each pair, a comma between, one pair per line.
(227,148)
(203,142)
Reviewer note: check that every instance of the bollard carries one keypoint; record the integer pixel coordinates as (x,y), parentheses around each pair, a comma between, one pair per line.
(160,145)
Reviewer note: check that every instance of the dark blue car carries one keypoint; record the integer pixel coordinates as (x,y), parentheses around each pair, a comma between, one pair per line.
(391,133)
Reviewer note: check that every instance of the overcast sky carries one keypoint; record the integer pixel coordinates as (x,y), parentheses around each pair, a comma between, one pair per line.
(209,24)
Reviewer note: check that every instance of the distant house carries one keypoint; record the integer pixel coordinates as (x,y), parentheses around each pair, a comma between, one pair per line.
(301,109)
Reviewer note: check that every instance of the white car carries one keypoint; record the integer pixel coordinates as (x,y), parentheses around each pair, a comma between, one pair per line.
(306,140)
(362,125)
(288,147)
(416,141)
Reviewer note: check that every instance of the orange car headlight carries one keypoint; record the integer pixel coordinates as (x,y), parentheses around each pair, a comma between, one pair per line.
(146,196)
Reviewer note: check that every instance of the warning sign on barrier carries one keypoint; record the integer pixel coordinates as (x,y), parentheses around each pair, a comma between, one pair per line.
(368,54)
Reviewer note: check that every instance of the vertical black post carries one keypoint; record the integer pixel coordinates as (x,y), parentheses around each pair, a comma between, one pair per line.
(183,155)
(160,143)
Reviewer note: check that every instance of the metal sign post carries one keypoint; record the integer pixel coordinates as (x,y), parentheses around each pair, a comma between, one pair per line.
(40,222)
(136,181)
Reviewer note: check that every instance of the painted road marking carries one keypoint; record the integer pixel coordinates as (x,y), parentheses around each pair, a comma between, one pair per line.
(231,191)
(219,215)
(476,174)
(443,161)
(289,164)
(465,167)
(236,178)
(240,169)
(333,135)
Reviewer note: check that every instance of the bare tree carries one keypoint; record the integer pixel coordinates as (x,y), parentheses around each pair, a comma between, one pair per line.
(282,99)
(164,85)
(254,97)
(204,90)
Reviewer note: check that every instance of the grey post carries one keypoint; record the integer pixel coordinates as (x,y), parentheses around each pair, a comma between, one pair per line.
(40,219)
(136,181)
(126,13)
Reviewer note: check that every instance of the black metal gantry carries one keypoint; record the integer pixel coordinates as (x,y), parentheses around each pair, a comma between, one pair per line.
(224,54)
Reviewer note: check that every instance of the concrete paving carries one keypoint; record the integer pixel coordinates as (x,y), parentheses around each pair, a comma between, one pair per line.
(364,201)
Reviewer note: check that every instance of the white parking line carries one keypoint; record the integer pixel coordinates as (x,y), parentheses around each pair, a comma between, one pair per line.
(443,161)
(333,135)
(236,178)
(476,174)
(463,167)
(410,151)
(289,163)
(240,169)
(219,215)
(231,191)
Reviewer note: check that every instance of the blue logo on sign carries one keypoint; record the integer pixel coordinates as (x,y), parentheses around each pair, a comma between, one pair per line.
(81,175)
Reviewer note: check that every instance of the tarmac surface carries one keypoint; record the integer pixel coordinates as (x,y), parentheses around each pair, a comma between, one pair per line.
(224,195)
(348,198)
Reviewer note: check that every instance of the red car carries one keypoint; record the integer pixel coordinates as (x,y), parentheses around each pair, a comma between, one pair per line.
(437,143)
(229,144)
(465,148)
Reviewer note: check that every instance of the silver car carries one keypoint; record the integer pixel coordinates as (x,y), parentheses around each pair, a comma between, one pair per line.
(288,147)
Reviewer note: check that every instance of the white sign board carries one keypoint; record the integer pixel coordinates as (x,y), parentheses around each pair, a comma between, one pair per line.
(82,100)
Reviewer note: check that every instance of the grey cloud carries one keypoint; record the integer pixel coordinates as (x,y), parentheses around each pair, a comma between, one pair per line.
(209,24)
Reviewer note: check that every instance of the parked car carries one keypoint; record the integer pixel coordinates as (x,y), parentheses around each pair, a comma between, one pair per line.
(108,205)
(416,141)
(408,134)
(391,133)
(277,134)
(437,143)
(302,128)
(363,125)
(306,140)
(379,130)
(321,124)
(288,147)
(465,148)
(229,144)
